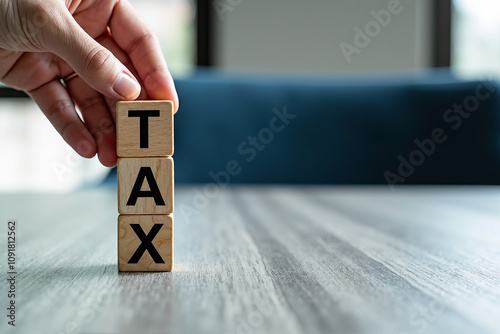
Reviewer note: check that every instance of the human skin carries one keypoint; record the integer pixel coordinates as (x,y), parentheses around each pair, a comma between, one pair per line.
(114,53)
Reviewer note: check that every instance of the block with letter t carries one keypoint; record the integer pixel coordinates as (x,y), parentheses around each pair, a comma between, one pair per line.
(145,144)
(144,129)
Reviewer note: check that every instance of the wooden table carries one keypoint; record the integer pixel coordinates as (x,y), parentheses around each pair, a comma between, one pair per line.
(265,260)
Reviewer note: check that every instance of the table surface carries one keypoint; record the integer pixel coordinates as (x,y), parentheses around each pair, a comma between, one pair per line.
(264,260)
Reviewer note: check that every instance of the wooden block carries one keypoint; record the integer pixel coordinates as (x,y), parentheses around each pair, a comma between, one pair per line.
(145,186)
(145,243)
(144,128)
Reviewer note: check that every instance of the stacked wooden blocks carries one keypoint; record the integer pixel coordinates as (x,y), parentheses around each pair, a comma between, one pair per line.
(145,144)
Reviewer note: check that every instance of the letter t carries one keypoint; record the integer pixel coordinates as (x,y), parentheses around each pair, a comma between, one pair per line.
(144,123)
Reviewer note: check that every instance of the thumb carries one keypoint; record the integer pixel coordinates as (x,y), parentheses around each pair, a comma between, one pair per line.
(95,64)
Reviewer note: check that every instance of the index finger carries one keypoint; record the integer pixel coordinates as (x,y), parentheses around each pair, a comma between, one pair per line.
(143,48)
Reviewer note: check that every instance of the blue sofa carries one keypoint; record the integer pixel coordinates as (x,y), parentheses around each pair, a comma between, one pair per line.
(426,128)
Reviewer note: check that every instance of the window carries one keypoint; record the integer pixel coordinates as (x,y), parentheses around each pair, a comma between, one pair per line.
(173,21)
(475,49)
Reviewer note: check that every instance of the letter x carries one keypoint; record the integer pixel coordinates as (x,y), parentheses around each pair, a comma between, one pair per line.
(146,243)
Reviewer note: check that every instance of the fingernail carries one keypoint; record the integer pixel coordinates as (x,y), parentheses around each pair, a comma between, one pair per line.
(126,86)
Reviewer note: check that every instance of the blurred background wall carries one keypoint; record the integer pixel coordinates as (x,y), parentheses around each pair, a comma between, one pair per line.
(267,36)
(307,35)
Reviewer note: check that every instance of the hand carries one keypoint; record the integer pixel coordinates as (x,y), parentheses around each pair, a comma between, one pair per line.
(113,52)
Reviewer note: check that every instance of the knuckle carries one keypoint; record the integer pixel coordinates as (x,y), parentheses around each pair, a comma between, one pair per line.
(150,80)
(154,70)
(42,10)
(67,127)
(40,16)
(138,43)
(58,110)
(98,60)
(58,115)
(90,103)
(107,126)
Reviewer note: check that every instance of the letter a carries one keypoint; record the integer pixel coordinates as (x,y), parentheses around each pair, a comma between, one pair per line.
(145,173)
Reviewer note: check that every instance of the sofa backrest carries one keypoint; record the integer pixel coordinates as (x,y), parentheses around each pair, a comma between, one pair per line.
(417,129)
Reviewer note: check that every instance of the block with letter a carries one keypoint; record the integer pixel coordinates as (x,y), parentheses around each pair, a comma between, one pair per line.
(145,144)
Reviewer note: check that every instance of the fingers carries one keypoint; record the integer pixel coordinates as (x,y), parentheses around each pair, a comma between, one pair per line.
(97,119)
(133,36)
(58,106)
(108,42)
(97,110)
(30,71)
(95,64)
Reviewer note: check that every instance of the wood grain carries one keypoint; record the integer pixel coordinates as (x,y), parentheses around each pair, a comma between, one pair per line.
(129,173)
(266,260)
(160,138)
(129,242)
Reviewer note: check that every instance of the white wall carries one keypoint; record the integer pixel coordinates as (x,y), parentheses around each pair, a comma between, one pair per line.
(306,35)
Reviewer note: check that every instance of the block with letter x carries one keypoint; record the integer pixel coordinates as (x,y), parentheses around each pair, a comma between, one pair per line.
(145,242)
(145,145)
